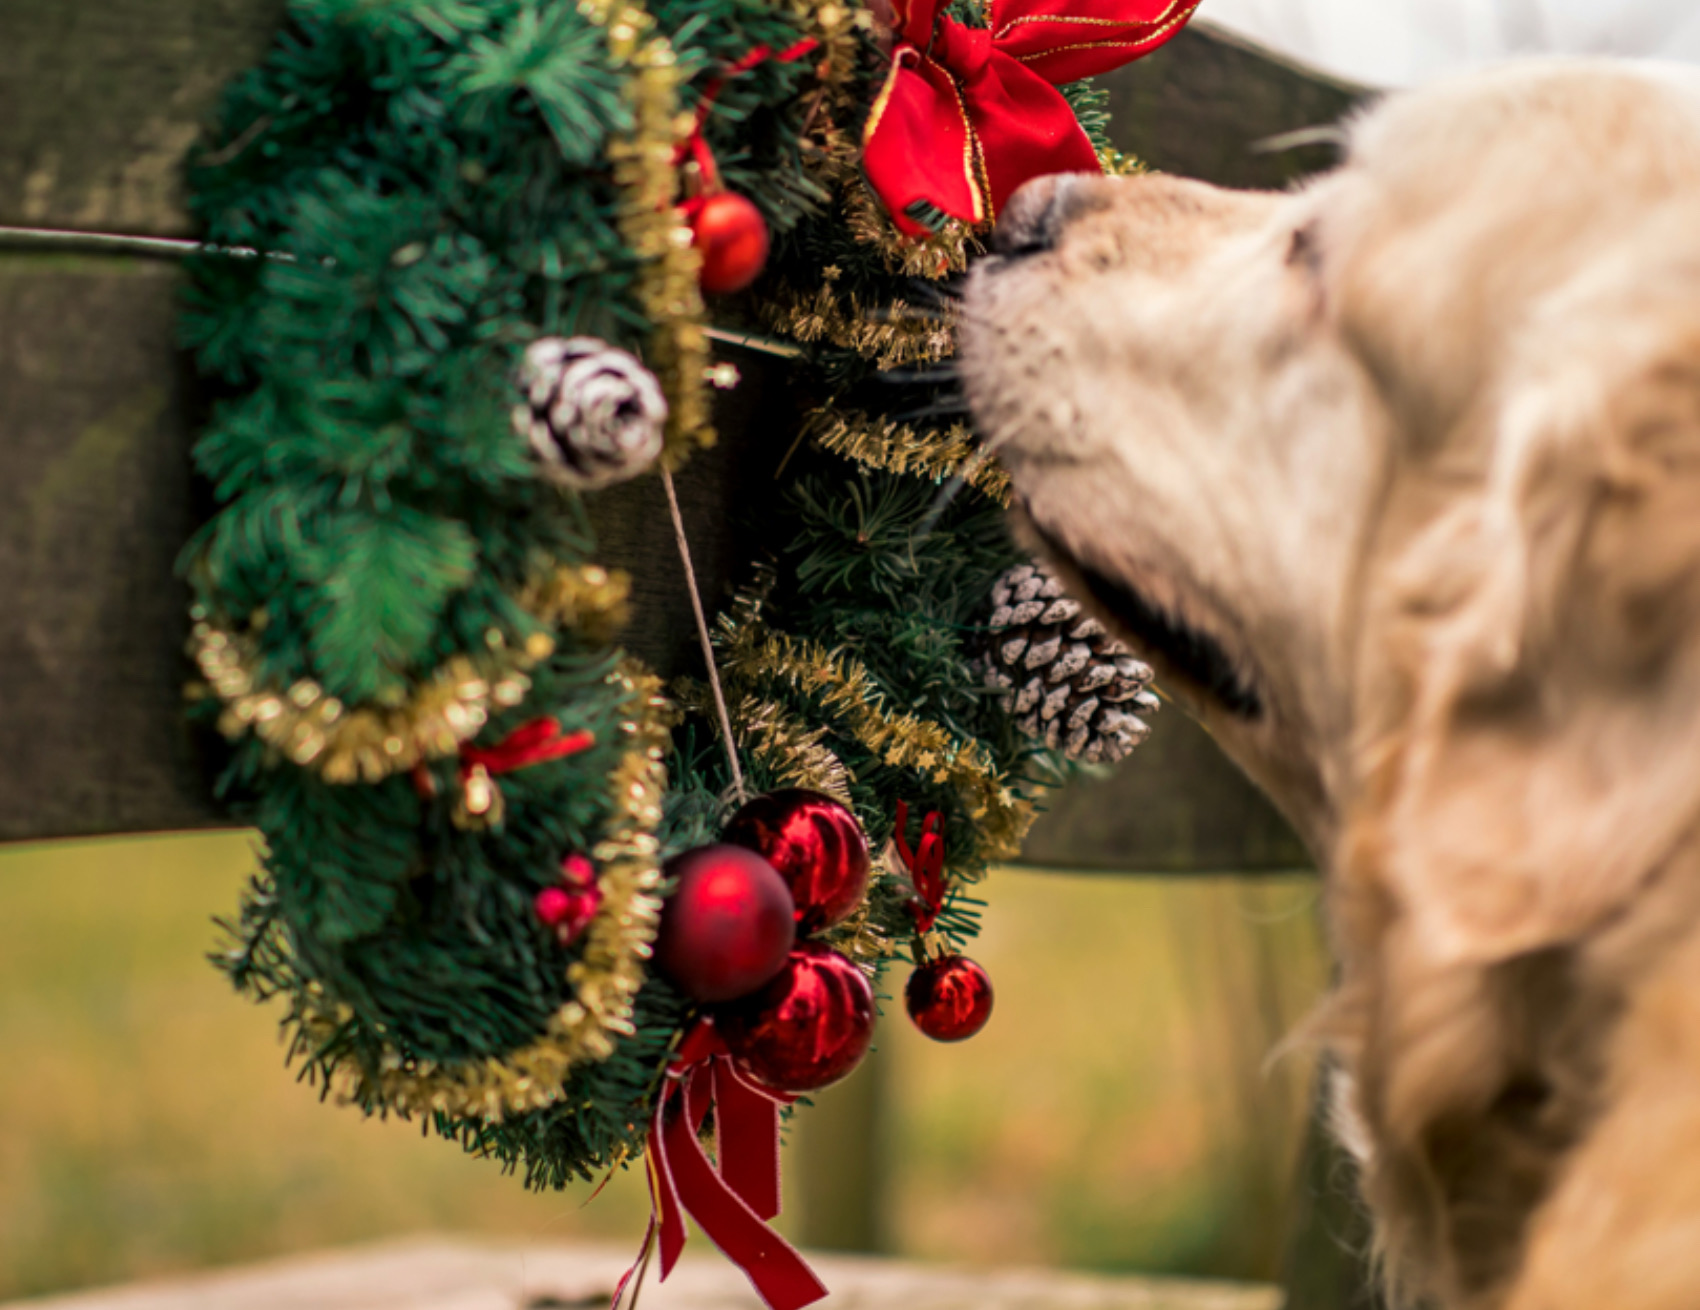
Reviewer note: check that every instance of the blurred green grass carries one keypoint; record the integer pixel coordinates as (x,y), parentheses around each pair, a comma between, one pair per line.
(1116,1113)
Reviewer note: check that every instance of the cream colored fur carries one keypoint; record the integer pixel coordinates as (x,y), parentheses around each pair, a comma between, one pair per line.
(1419,448)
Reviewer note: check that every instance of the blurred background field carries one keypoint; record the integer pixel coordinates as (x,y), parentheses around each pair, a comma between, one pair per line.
(1119,1113)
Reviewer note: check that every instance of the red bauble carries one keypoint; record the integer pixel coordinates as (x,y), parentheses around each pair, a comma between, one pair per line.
(949,999)
(818,848)
(732,236)
(808,1027)
(728,925)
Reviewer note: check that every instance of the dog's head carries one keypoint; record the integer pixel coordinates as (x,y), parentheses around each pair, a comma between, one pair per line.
(1396,477)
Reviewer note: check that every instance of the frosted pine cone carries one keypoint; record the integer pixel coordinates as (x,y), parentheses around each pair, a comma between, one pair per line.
(593,414)
(1068,683)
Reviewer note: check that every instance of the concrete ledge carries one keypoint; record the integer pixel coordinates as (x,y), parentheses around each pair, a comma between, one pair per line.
(434,1274)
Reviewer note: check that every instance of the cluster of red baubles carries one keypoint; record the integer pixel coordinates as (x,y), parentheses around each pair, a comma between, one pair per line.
(734,936)
(796,1015)
(735,932)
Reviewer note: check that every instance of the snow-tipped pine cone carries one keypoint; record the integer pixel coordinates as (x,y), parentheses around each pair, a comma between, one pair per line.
(1066,681)
(593,413)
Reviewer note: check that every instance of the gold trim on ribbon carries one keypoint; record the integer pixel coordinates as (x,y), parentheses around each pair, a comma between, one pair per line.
(1160,24)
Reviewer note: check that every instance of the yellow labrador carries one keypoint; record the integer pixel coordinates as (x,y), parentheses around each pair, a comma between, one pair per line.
(1397,480)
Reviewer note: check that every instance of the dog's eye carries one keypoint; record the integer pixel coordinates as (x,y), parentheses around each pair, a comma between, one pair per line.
(1304,251)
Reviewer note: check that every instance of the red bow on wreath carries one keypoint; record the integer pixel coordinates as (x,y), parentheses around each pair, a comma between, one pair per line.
(733,1198)
(969,114)
(925,864)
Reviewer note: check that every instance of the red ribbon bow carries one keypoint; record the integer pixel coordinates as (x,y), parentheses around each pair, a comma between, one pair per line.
(925,864)
(537,741)
(533,742)
(695,146)
(733,1198)
(969,114)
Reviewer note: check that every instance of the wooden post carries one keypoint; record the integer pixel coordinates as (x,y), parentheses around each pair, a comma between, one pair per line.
(1327,1263)
(842,1161)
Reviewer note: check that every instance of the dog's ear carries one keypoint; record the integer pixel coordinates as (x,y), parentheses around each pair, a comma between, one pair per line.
(1547,755)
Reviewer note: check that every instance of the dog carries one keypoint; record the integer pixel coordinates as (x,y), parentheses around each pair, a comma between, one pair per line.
(1395,478)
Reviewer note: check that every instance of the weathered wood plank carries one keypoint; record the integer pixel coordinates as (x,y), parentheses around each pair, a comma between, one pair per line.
(94,504)
(446,1275)
(1176,805)
(98,102)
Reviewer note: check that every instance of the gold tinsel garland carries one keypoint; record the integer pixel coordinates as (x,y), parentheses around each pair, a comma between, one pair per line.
(652,224)
(795,755)
(605,979)
(897,335)
(754,656)
(446,709)
(885,443)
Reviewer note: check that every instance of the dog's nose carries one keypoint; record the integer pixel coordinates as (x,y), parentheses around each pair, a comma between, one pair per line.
(1033,217)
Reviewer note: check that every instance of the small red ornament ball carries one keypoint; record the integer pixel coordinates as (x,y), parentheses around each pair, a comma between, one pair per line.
(732,236)
(728,926)
(818,848)
(569,907)
(808,1027)
(949,999)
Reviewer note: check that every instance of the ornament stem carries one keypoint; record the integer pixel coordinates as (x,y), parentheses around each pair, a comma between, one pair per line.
(702,635)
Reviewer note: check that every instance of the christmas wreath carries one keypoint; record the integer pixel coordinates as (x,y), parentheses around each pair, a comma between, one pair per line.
(453,281)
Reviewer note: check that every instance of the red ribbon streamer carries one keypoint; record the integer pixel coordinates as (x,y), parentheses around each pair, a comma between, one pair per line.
(536,741)
(732,1202)
(925,864)
(969,114)
(695,146)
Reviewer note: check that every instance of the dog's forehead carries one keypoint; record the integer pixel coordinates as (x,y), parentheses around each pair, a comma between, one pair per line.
(1570,116)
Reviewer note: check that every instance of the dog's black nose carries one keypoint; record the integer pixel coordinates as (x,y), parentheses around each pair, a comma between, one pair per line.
(1033,217)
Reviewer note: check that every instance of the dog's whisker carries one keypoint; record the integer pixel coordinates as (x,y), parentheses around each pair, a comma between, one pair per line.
(945,372)
(951,489)
(904,313)
(1322,134)
(948,492)
(942,294)
(952,406)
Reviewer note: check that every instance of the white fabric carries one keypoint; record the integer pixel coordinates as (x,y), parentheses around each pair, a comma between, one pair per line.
(1402,42)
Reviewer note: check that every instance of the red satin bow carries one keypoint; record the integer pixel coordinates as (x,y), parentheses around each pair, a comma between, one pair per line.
(969,114)
(733,1198)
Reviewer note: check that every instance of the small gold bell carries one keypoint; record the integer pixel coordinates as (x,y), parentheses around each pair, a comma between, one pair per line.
(480,805)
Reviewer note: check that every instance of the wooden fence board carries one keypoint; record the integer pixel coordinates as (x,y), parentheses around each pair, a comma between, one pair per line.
(98,102)
(94,504)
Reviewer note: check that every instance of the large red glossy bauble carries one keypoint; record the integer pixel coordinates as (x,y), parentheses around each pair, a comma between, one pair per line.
(818,848)
(732,236)
(728,926)
(808,1027)
(949,999)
